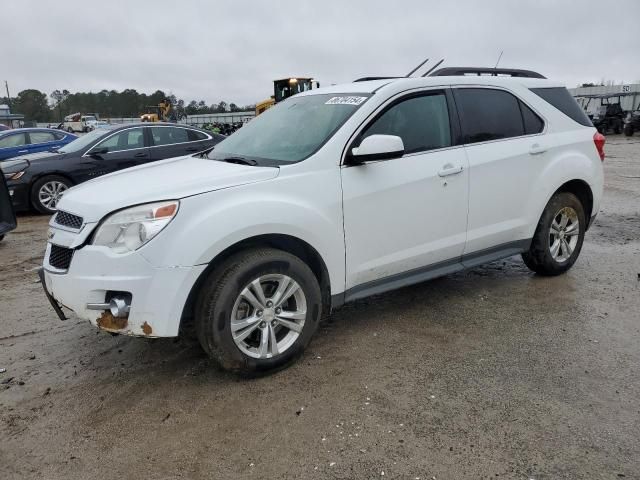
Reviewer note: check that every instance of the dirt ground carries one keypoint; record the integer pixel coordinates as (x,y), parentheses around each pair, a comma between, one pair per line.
(490,373)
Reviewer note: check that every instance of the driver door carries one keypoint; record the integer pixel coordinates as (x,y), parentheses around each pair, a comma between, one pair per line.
(124,149)
(405,219)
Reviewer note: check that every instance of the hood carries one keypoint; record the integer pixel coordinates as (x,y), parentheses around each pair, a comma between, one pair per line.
(170,179)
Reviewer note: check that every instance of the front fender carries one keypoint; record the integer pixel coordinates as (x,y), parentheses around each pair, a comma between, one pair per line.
(208,224)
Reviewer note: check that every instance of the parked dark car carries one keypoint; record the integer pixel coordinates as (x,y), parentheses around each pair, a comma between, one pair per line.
(21,141)
(7,215)
(39,180)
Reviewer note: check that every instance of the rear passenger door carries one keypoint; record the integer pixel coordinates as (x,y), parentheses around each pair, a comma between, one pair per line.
(170,141)
(505,151)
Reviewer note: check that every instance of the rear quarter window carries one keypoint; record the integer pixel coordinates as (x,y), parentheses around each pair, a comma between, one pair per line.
(560,98)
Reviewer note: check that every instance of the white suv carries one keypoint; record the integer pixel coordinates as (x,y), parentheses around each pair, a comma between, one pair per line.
(332,195)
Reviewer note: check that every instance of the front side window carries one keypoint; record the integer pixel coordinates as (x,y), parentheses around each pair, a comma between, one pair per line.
(488,114)
(290,131)
(41,137)
(125,140)
(169,135)
(422,122)
(15,140)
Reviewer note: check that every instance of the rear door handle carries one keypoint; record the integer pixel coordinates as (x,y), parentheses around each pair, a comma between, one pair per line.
(537,149)
(23,151)
(450,170)
(141,155)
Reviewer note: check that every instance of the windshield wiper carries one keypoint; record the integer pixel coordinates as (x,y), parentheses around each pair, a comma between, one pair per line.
(240,160)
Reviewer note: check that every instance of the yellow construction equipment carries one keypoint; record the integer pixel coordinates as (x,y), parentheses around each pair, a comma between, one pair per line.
(285,88)
(157,113)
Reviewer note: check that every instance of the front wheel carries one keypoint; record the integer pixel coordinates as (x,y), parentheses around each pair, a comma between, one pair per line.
(47,192)
(558,239)
(258,311)
(628,130)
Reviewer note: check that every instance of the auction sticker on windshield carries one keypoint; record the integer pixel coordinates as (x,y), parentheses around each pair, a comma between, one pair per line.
(345,101)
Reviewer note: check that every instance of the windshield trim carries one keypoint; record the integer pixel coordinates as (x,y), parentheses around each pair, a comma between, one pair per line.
(274,162)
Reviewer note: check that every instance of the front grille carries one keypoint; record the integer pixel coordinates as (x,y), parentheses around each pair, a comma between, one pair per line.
(68,220)
(60,257)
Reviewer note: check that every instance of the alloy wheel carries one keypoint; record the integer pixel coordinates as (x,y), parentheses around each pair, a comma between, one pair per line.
(564,234)
(50,193)
(268,316)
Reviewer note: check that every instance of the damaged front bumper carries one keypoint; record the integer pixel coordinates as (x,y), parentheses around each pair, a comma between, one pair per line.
(96,277)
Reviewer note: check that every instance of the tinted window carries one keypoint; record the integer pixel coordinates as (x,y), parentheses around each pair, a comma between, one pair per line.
(194,135)
(560,98)
(532,122)
(168,135)
(422,123)
(488,114)
(41,137)
(14,140)
(125,140)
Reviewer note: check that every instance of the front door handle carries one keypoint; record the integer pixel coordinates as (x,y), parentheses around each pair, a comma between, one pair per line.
(537,149)
(141,155)
(450,170)
(23,151)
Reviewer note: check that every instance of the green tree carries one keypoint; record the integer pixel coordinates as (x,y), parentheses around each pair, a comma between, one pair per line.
(33,105)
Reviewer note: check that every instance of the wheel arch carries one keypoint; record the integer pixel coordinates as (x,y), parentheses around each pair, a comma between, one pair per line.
(42,175)
(287,243)
(582,190)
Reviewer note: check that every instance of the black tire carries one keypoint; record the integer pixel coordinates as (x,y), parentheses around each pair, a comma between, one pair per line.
(617,128)
(35,189)
(218,295)
(628,130)
(539,257)
(1,237)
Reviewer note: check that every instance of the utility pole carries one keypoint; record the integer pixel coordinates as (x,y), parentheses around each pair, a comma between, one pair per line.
(6,85)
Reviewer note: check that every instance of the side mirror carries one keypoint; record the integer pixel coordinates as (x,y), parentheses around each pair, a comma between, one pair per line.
(376,147)
(98,151)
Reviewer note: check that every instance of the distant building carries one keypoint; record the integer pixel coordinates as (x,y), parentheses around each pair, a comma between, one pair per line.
(12,120)
(629,100)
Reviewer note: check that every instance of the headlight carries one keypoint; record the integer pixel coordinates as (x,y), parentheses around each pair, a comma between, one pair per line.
(14,176)
(128,230)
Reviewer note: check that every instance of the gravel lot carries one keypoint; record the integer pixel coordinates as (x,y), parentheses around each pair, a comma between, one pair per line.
(490,373)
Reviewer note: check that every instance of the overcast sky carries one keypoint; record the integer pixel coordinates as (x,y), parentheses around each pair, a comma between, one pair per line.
(232,49)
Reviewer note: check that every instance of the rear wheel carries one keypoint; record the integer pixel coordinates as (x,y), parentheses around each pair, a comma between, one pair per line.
(258,311)
(47,192)
(558,239)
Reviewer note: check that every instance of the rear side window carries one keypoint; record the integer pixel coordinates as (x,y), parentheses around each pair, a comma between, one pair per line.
(532,122)
(41,137)
(195,135)
(560,98)
(422,123)
(168,135)
(488,114)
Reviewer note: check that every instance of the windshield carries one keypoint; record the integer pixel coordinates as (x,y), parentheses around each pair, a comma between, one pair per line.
(291,131)
(81,142)
(89,119)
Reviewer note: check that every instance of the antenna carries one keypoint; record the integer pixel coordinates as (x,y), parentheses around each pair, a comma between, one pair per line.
(501,52)
(432,68)
(415,69)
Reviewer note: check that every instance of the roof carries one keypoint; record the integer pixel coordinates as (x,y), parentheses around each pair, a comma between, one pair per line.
(29,129)
(370,86)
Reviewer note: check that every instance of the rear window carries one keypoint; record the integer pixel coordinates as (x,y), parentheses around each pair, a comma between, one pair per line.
(560,98)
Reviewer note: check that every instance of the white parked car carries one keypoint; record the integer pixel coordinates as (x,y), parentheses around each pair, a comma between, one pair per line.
(330,196)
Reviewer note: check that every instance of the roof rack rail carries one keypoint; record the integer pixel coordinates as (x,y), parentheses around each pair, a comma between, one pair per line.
(460,71)
(366,79)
